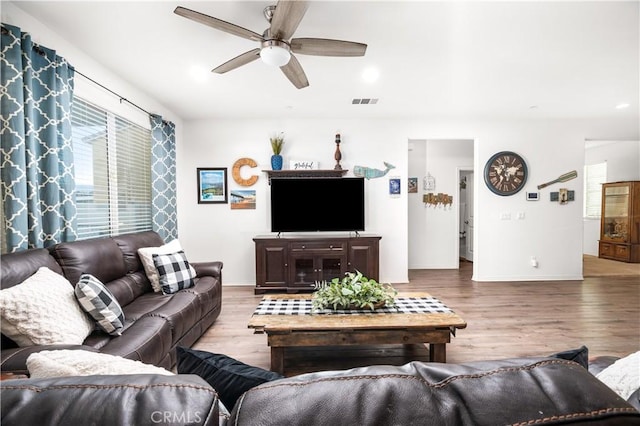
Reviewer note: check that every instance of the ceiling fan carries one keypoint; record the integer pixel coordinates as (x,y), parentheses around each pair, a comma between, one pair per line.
(276,45)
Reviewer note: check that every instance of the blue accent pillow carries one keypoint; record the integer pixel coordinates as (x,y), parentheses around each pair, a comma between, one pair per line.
(229,377)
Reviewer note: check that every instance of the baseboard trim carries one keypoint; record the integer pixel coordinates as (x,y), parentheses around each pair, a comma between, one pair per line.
(530,279)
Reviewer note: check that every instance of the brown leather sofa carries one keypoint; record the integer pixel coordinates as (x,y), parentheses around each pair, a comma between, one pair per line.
(531,391)
(155,324)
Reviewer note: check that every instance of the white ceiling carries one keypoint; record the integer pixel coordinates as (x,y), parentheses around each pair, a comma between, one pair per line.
(435,59)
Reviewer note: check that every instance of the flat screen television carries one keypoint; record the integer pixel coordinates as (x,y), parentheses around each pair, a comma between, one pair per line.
(317,204)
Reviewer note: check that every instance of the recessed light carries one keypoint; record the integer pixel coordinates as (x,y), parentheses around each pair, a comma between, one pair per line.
(370,75)
(622,106)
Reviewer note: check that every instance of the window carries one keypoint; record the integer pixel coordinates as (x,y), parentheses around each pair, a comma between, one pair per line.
(113,172)
(594,176)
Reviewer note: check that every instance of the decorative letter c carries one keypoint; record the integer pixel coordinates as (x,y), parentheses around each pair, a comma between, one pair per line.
(235,172)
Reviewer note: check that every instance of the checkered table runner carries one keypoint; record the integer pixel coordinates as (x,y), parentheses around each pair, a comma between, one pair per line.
(404,305)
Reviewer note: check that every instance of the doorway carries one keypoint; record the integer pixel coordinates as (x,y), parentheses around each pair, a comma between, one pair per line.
(465,214)
(435,165)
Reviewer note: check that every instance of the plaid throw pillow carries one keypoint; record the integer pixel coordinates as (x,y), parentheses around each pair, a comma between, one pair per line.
(98,302)
(174,272)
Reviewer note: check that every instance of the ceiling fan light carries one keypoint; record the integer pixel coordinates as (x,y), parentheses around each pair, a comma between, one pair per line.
(275,56)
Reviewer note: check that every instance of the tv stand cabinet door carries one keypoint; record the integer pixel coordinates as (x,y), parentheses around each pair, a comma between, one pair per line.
(272,265)
(363,256)
(311,267)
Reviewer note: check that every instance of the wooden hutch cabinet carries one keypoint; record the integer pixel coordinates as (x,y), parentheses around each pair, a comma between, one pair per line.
(294,264)
(620,222)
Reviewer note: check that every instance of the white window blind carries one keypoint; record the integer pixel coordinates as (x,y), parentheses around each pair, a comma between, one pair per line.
(594,176)
(113,172)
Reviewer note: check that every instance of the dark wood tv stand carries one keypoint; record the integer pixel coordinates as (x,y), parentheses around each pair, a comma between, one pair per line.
(295,263)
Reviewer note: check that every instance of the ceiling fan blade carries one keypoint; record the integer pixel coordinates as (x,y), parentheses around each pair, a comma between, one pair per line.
(286,18)
(238,61)
(294,72)
(218,24)
(326,47)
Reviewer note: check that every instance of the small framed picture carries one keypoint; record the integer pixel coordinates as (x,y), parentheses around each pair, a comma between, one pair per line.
(212,185)
(564,195)
(243,199)
(412,183)
(394,187)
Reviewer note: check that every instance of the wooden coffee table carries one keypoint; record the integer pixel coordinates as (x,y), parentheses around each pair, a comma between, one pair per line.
(283,331)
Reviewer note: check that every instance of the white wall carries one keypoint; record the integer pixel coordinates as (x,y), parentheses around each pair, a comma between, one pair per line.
(214,231)
(623,163)
(417,225)
(433,231)
(549,231)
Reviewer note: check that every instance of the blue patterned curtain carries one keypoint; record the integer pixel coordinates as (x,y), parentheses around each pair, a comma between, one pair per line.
(163,178)
(38,186)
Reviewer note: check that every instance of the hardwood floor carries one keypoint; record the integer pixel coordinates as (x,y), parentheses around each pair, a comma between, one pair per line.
(504,319)
(593,266)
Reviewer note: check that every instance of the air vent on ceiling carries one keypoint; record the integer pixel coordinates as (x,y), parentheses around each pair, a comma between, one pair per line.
(364,101)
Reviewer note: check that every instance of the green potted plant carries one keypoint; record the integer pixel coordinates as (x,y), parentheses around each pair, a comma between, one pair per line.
(353,291)
(276,147)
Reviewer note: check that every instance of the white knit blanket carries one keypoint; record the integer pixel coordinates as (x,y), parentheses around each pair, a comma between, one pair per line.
(623,376)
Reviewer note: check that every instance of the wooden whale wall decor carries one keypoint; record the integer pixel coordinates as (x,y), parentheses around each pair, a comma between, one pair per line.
(371,173)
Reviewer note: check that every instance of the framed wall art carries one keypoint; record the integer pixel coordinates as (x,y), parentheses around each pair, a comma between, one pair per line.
(212,185)
(394,187)
(412,185)
(243,199)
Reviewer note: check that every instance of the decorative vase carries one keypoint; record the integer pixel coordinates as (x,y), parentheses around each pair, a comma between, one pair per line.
(276,162)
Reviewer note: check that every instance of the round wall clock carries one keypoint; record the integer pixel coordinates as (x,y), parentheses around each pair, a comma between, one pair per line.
(235,172)
(505,173)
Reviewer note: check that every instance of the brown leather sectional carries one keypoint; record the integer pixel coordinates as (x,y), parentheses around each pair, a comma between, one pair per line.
(526,391)
(155,323)
(517,391)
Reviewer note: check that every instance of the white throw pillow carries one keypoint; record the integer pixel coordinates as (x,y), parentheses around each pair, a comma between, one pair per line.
(69,362)
(146,256)
(623,376)
(43,310)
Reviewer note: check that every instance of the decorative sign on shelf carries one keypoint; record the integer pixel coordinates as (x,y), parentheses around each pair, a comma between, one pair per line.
(303,165)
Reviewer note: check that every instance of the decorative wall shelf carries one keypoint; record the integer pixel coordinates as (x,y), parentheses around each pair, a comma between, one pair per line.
(304,173)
